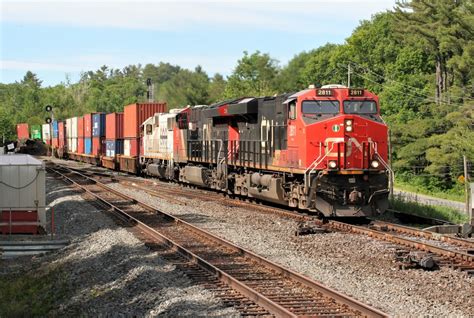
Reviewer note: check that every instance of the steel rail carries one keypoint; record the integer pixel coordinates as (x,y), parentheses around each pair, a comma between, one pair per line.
(370,232)
(461,256)
(383,235)
(426,234)
(247,291)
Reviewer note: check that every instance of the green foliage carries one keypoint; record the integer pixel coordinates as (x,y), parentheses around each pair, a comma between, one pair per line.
(431,211)
(429,185)
(186,88)
(291,78)
(254,75)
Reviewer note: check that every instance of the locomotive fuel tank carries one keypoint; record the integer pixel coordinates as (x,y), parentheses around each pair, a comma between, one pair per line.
(156,170)
(197,175)
(266,187)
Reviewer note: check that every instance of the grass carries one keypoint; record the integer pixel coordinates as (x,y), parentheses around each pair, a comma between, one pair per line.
(453,194)
(32,294)
(437,212)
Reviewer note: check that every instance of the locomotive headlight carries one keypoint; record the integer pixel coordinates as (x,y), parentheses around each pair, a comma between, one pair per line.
(332,164)
(348,124)
(374,164)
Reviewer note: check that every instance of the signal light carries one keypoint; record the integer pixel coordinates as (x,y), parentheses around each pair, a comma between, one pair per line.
(374,164)
(332,164)
(348,125)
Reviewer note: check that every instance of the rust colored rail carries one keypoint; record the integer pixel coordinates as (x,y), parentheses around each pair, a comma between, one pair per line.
(273,289)
(463,243)
(465,258)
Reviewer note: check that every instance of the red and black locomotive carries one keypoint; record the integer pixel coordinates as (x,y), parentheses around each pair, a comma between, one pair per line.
(321,149)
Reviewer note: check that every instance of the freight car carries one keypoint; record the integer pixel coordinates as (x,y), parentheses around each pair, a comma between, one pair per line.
(322,149)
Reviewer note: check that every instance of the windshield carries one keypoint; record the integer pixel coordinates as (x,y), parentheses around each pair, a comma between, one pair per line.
(320,107)
(360,107)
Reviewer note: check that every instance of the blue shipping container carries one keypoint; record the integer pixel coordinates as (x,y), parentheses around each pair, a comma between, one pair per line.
(113,147)
(87,146)
(55,129)
(98,125)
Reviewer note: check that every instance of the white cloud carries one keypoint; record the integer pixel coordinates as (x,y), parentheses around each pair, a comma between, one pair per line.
(178,15)
(211,64)
(38,66)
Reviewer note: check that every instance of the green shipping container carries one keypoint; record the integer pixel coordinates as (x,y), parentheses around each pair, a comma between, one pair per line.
(35,132)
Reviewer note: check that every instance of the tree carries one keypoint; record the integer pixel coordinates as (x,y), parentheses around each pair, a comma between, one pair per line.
(254,75)
(291,77)
(442,28)
(186,88)
(217,88)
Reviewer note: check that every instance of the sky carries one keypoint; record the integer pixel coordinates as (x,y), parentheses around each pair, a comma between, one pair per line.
(58,39)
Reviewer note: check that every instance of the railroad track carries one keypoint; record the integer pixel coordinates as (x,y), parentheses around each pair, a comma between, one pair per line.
(250,283)
(442,250)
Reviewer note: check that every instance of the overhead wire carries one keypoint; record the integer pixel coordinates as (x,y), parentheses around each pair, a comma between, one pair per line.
(404,84)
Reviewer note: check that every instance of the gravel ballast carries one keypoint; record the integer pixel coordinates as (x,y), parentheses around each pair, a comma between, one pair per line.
(107,270)
(353,264)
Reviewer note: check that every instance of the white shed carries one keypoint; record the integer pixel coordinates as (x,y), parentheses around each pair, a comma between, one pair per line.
(22,194)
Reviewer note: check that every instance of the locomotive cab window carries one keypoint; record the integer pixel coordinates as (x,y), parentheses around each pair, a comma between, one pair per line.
(182,120)
(149,129)
(292,110)
(320,107)
(360,107)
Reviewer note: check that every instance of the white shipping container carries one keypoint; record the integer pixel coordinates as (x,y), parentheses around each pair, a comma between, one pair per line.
(68,128)
(46,130)
(73,147)
(126,147)
(22,185)
(74,127)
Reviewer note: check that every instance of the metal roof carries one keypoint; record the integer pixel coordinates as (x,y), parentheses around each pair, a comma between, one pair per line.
(19,160)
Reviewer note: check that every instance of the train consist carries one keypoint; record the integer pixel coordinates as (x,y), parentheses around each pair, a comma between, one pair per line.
(321,149)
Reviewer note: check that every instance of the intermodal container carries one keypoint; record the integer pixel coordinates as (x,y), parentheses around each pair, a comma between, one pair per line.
(136,114)
(72,144)
(114,126)
(55,129)
(113,147)
(98,146)
(80,145)
(74,127)
(46,132)
(68,128)
(98,125)
(87,146)
(80,127)
(61,134)
(23,131)
(130,147)
(35,132)
(88,125)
